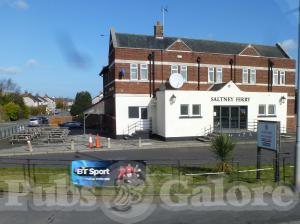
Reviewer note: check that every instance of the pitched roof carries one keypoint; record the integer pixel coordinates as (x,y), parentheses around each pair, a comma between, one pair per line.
(217,86)
(34,98)
(210,46)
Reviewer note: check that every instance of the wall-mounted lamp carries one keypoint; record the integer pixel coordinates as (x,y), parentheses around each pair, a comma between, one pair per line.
(172,99)
(282,100)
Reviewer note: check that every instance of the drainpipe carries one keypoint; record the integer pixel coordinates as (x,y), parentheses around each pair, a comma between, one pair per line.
(150,74)
(198,61)
(270,75)
(234,63)
(231,70)
(153,73)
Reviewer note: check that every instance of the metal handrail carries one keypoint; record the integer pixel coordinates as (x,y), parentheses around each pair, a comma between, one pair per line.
(251,126)
(137,125)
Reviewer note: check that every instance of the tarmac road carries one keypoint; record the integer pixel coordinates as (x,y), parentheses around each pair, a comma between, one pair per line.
(245,154)
(160,215)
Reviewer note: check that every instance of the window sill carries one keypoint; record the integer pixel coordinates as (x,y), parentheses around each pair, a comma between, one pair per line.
(266,115)
(188,117)
(248,83)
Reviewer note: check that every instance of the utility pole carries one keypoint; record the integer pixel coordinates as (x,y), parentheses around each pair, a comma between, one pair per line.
(297,149)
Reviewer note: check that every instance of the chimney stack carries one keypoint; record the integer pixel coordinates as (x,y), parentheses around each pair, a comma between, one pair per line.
(158,30)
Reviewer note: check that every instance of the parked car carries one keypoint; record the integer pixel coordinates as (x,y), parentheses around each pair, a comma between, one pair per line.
(34,122)
(71,124)
(43,119)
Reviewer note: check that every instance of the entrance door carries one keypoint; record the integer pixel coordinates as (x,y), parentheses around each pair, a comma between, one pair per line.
(144,113)
(234,117)
(225,117)
(243,117)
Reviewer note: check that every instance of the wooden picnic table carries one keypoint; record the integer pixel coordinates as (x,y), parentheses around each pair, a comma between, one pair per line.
(20,137)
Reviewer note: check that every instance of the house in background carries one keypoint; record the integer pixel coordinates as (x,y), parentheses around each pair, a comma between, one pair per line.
(51,105)
(30,100)
(35,101)
(98,98)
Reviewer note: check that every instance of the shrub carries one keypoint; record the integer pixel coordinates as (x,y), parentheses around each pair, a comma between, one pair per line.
(26,112)
(222,146)
(3,115)
(12,111)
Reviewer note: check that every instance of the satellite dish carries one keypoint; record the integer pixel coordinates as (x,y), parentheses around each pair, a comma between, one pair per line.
(176,80)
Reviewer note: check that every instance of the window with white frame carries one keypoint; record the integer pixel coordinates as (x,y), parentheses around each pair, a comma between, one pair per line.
(245,75)
(211,74)
(183,72)
(196,110)
(282,78)
(219,75)
(252,76)
(275,77)
(184,110)
(262,109)
(272,109)
(133,71)
(144,72)
(174,69)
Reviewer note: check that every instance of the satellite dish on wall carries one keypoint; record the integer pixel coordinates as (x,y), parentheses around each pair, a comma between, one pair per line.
(176,80)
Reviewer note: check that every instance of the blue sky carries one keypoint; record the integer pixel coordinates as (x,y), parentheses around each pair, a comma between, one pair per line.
(56,47)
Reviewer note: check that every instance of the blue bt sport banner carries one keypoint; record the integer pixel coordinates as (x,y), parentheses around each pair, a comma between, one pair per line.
(107,173)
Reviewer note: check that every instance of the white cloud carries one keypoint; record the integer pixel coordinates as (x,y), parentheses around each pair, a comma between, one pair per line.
(17,4)
(20,4)
(289,44)
(32,62)
(9,71)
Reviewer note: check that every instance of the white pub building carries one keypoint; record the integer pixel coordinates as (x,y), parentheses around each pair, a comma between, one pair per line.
(179,88)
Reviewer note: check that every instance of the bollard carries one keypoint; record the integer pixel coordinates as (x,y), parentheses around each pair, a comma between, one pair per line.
(98,141)
(72,145)
(140,142)
(90,144)
(108,143)
(29,146)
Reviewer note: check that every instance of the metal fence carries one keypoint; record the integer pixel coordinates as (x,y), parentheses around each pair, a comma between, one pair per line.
(8,129)
(40,172)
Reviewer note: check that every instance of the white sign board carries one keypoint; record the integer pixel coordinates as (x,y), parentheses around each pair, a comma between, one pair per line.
(268,134)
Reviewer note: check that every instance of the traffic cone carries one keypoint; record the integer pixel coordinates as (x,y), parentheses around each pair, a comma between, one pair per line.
(90,142)
(98,141)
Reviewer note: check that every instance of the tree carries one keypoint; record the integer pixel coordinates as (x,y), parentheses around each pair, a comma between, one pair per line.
(83,100)
(8,86)
(59,104)
(3,115)
(12,111)
(34,111)
(222,146)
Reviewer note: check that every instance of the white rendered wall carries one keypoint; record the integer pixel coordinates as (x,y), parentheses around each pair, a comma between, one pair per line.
(173,126)
(123,101)
(29,102)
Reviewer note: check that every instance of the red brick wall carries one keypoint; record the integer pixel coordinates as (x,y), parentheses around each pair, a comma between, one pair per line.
(162,72)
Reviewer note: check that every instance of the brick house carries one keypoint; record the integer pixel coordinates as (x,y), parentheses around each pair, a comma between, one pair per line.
(136,84)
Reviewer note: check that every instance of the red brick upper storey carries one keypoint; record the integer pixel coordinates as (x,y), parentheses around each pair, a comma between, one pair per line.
(202,63)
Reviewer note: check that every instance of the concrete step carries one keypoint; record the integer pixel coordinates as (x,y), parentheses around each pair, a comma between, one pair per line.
(204,139)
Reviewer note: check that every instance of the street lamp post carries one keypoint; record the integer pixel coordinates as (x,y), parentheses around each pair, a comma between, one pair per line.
(297,149)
